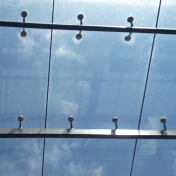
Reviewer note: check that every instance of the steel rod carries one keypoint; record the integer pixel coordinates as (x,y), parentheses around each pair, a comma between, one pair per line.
(88,27)
(87,133)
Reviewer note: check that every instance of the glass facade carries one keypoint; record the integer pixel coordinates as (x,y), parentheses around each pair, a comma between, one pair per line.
(50,75)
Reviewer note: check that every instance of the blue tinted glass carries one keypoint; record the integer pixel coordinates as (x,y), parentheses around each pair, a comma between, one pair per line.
(38,11)
(161,90)
(167,16)
(23,76)
(95,157)
(97,78)
(107,12)
(155,157)
(21,157)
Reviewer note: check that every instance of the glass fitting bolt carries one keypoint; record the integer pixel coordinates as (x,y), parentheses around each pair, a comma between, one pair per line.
(130,19)
(115,120)
(163,120)
(80,16)
(79,36)
(24,14)
(20,119)
(70,119)
(23,33)
(127,37)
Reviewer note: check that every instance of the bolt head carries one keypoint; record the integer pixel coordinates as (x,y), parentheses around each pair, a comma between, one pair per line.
(163,120)
(20,118)
(70,119)
(115,119)
(79,36)
(130,19)
(127,38)
(23,33)
(80,16)
(24,14)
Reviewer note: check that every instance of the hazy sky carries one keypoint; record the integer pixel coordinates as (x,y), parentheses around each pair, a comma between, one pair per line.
(92,79)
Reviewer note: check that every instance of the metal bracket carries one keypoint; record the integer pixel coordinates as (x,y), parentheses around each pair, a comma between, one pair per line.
(145,30)
(87,133)
(24,15)
(80,17)
(130,20)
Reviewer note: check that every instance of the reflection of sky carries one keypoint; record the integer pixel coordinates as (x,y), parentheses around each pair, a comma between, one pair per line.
(20,157)
(23,77)
(155,157)
(93,79)
(95,157)
(92,92)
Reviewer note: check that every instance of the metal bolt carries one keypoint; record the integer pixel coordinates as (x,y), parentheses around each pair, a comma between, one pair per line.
(115,120)
(163,120)
(128,37)
(79,36)
(130,19)
(70,119)
(80,17)
(20,119)
(24,14)
(23,33)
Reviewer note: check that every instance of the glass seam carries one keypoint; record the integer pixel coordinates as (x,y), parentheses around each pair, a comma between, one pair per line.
(48,82)
(145,88)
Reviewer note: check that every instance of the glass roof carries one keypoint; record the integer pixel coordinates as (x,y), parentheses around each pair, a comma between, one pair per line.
(107,12)
(90,80)
(38,11)
(160,97)
(88,156)
(155,157)
(21,157)
(50,75)
(24,65)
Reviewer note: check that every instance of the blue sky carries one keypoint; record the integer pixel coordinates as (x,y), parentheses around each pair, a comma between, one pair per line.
(92,79)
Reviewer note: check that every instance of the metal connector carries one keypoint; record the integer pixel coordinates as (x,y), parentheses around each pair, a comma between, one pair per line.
(163,120)
(70,119)
(24,15)
(115,120)
(20,119)
(80,17)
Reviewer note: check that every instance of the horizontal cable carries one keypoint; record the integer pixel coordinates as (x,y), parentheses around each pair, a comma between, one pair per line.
(88,27)
(87,133)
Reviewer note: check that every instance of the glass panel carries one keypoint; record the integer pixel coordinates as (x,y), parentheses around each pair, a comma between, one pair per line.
(23,77)
(97,78)
(167,16)
(95,157)
(38,11)
(161,90)
(107,12)
(21,157)
(155,157)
